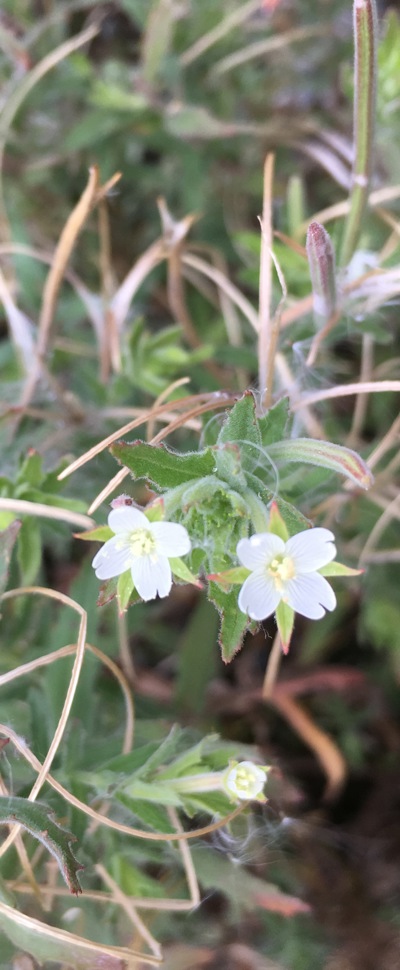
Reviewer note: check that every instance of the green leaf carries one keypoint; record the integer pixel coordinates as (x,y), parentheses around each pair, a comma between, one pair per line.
(29,550)
(37,819)
(325,454)
(31,470)
(239,443)
(151,815)
(234,623)
(7,541)
(197,658)
(273,424)
(161,466)
(284,616)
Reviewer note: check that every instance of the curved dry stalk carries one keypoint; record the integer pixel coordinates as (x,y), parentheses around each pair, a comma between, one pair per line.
(24,930)
(225,285)
(25,86)
(22,747)
(361,402)
(40,509)
(327,753)
(125,903)
(67,651)
(391,511)
(344,390)
(260,48)
(160,400)
(217,33)
(72,686)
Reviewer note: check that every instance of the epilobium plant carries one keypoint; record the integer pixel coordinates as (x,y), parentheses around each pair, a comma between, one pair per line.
(224,503)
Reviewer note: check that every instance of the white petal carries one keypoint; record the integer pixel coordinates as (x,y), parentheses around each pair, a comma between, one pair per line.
(172,539)
(112,559)
(127,519)
(259,549)
(311,549)
(245,780)
(258,596)
(151,576)
(311,595)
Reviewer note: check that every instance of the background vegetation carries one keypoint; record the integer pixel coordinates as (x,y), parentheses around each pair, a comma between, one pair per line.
(154,279)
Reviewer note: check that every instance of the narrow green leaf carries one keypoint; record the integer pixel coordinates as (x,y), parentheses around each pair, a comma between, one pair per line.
(197,658)
(8,538)
(161,466)
(37,819)
(325,454)
(29,550)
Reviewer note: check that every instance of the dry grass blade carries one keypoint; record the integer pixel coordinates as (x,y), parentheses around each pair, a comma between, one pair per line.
(325,750)
(50,941)
(67,651)
(71,690)
(266,46)
(23,507)
(224,27)
(92,194)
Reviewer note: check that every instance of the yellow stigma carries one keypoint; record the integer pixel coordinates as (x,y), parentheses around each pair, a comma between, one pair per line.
(280,570)
(141,543)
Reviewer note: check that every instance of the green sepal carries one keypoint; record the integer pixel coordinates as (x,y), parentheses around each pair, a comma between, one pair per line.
(100,534)
(230,576)
(181,571)
(160,465)
(284,616)
(338,569)
(37,819)
(125,588)
(277,524)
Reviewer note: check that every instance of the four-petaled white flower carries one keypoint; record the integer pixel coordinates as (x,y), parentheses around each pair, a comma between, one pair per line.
(245,781)
(143,547)
(288,572)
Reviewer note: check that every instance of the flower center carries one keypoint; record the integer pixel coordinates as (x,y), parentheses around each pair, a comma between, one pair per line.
(281,569)
(244,780)
(141,543)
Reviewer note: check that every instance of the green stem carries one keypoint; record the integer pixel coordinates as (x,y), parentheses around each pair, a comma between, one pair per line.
(365,71)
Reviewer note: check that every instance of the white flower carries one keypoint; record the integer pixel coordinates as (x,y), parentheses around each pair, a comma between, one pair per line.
(286,571)
(143,547)
(245,780)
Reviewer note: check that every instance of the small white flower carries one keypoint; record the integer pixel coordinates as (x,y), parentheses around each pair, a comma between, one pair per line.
(288,572)
(245,781)
(143,547)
